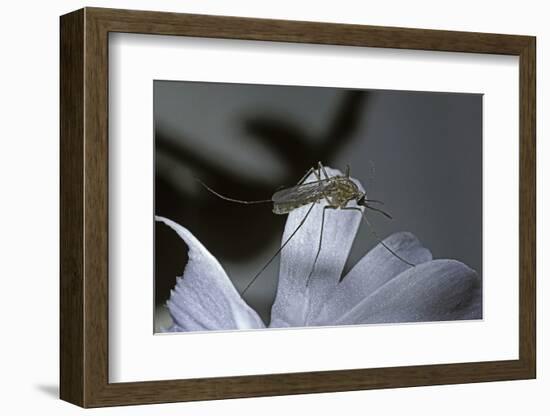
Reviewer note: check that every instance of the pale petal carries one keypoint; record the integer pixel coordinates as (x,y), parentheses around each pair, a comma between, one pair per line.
(173,328)
(375,269)
(437,290)
(295,303)
(204,298)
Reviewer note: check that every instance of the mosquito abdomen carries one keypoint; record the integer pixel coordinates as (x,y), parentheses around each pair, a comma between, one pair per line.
(281,208)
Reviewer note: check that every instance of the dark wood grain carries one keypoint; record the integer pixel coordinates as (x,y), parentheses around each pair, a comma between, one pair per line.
(162,23)
(527,208)
(84,207)
(96,218)
(71,99)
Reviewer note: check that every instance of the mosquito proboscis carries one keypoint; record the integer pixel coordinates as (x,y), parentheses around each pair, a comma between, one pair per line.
(338,192)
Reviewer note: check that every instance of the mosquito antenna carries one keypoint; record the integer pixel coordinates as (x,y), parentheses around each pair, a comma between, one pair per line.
(279,250)
(263,201)
(379,210)
(375,234)
(374,201)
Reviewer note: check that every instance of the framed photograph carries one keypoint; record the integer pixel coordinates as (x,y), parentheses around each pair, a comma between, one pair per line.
(255,207)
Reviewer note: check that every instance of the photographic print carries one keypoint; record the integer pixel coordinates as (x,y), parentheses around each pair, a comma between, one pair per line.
(280,188)
(295,206)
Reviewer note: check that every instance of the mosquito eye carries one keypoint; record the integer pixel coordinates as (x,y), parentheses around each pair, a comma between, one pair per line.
(361,201)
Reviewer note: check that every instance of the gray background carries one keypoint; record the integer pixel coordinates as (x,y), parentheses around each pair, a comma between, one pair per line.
(419,152)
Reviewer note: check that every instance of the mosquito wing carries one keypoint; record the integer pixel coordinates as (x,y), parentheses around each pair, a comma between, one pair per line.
(301,194)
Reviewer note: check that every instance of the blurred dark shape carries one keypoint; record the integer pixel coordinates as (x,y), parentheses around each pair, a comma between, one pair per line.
(208,217)
(300,152)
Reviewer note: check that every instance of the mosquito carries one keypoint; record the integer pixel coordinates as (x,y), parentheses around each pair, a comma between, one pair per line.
(338,192)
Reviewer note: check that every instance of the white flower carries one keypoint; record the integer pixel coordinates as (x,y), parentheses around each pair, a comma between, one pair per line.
(380,288)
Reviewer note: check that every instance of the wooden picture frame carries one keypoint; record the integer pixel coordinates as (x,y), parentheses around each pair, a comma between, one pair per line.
(84,207)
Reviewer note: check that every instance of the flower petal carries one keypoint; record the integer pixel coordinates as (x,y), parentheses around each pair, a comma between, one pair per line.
(295,303)
(438,290)
(375,269)
(204,298)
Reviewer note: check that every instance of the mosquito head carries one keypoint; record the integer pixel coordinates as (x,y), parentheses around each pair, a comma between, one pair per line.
(361,199)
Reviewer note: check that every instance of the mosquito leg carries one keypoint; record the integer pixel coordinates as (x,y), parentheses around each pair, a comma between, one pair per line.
(279,250)
(322,168)
(379,210)
(317,174)
(347,171)
(301,181)
(374,233)
(320,244)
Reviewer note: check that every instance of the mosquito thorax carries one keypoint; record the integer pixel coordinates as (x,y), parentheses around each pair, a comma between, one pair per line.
(342,191)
